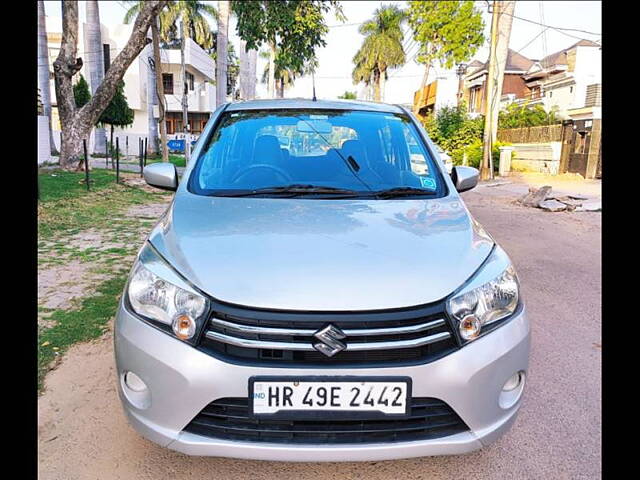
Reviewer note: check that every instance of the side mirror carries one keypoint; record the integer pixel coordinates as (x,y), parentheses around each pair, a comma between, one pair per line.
(465,178)
(161,175)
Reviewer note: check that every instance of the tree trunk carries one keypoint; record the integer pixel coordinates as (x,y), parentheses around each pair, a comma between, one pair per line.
(423,83)
(151,101)
(376,85)
(281,87)
(185,89)
(43,73)
(272,69)
(243,79)
(383,83)
(159,89)
(77,123)
(221,48)
(425,77)
(95,64)
(253,61)
(247,72)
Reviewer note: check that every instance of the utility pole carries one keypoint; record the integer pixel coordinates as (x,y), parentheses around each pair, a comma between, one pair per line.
(485,167)
(502,17)
(185,92)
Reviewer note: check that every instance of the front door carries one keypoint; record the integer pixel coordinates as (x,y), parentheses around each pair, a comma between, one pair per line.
(579,153)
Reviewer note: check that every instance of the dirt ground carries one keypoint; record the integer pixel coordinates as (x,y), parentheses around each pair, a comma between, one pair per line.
(83,433)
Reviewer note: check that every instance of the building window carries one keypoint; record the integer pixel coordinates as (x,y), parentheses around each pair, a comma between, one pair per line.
(106,54)
(570,89)
(167,82)
(474,100)
(190,80)
(550,94)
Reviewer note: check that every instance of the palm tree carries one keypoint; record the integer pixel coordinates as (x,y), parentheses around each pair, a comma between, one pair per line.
(190,15)
(285,77)
(43,72)
(381,49)
(96,65)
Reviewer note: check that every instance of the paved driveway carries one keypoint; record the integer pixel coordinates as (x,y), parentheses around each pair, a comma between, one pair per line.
(83,433)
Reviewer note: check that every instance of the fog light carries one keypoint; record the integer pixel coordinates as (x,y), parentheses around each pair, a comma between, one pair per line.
(184,326)
(469,327)
(513,382)
(512,390)
(134,382)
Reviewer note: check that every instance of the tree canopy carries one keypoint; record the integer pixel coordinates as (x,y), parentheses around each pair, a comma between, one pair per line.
(81,93)
(518,116)
(193,13)
(448,32)
(382,47)
(296,27)
(347,95)
(117,112)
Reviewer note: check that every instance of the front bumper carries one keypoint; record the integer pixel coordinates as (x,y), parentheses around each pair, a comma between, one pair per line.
(183,380)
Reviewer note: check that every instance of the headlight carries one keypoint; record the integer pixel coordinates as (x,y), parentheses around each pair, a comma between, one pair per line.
(487,298)
(155,298)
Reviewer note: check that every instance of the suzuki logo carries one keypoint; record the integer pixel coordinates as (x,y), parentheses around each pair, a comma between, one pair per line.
(329,337)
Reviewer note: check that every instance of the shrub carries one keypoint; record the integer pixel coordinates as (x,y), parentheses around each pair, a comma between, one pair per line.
(474,154)
(518,116)
(452,130)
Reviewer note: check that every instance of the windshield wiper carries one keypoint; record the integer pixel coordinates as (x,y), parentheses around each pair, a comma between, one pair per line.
(403,192)
(294,189)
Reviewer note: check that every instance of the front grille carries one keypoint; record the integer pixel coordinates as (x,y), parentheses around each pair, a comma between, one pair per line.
(228,419)
(407,336)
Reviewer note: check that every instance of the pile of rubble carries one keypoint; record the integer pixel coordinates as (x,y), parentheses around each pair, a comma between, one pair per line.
(542,198)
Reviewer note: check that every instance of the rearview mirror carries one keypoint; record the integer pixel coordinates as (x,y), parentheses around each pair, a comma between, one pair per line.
(161,175)
(314,126)
(465,178)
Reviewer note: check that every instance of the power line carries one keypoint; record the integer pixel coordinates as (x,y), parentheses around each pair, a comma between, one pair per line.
(532,40)
(560,29)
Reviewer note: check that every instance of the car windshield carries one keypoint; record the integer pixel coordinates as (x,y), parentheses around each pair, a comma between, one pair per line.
(315,153)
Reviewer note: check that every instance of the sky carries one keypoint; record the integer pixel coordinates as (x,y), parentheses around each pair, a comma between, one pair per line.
(333,76)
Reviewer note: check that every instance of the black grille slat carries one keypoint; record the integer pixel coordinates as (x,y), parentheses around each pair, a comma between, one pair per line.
(252,355)
(229,419)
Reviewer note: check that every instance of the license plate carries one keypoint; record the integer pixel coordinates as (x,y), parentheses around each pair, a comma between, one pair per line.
(297,397)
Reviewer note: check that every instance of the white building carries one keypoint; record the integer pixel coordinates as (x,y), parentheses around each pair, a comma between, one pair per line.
(200,68)
(560,81)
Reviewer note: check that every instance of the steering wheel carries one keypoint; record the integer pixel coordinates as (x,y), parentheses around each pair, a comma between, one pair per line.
(287,178)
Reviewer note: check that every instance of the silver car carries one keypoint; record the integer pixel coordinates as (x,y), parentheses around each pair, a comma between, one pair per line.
(318,291)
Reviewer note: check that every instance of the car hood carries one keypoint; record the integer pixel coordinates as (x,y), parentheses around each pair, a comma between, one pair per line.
(319,255)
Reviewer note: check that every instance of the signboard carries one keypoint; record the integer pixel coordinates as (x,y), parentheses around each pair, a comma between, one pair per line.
(178,145)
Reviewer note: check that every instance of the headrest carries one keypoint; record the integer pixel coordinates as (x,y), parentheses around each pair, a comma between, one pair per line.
(267,147)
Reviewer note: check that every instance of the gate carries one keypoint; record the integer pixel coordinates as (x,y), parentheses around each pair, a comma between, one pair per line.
(579,147)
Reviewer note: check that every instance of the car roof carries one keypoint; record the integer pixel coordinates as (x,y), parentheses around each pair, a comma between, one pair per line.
(305,103)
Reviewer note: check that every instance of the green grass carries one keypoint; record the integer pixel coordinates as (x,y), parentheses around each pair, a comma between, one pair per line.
(67,208)
(58,184)
(85,323)
(177,160)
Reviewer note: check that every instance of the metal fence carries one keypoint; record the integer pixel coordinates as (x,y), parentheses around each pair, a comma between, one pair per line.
(541,134)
